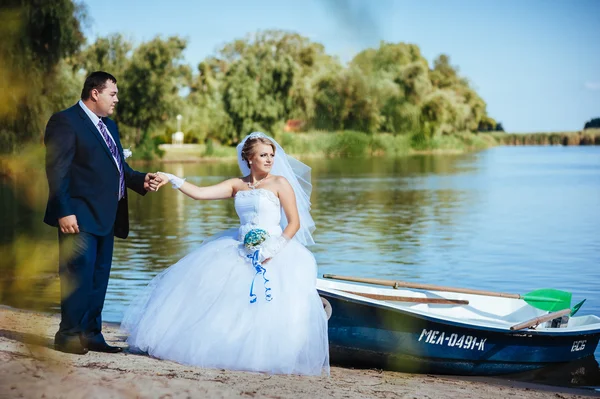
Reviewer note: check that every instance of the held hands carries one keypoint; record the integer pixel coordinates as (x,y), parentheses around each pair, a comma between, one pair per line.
(164,178)
(154,181)
(149,180)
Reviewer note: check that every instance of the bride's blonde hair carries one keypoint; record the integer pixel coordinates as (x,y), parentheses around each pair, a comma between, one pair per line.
(249,148)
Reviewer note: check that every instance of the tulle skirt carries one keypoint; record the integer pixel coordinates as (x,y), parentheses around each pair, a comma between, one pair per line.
(199,312)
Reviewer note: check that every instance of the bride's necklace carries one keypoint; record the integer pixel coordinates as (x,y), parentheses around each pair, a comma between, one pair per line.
(253,186)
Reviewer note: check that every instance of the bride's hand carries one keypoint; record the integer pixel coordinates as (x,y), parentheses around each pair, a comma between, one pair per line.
(161,180)
(272,246)
(165,178)
(153,182)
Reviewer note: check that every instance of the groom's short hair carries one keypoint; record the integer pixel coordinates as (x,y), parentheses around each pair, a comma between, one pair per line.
(97,80)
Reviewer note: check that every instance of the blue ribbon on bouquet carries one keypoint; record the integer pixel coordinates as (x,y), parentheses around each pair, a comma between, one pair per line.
(259,270)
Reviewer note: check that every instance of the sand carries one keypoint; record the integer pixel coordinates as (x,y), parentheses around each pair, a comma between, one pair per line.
(30,368)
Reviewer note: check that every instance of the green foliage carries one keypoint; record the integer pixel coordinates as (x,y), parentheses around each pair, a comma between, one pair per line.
(347,100)
(592,124)
(585,137)
(111,54)
(204,115)
(267,79)
(151,83)
(256,83)
(348,144)
(36,37)
(390,145)
(148,149)
(309,144)
(416,100)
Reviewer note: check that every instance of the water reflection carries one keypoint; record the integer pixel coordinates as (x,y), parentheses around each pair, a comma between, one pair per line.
(508,219)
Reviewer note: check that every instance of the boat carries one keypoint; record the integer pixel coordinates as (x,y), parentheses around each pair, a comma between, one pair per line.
(440,332)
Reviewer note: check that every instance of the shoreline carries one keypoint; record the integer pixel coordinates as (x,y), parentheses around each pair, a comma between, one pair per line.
(301,156)
(30,368)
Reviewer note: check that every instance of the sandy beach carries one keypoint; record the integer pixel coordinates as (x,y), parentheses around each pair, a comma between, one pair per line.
(29,368)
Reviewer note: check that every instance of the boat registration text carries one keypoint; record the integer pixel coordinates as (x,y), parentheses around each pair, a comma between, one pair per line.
(435,337)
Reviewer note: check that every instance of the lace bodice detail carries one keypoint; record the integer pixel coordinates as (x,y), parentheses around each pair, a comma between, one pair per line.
(258,208)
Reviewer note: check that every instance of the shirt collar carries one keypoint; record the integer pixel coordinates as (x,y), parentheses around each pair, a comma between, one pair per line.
(95,119)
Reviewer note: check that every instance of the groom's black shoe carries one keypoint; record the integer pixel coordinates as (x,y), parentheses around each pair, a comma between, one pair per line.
(104,347)
(73,347)
(69,343)
(96,343)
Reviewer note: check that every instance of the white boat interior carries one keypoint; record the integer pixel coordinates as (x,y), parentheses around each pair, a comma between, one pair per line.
(483,311)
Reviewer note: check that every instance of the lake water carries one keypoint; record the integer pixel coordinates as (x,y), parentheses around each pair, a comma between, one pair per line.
(509,219)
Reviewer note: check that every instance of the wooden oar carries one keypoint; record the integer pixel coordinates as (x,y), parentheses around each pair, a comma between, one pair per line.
(540,319)
(545,299)
(442,301)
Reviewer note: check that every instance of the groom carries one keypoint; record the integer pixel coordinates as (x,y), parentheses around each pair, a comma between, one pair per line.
(87,177)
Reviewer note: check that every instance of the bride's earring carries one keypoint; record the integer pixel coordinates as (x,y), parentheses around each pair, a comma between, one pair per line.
(250,162)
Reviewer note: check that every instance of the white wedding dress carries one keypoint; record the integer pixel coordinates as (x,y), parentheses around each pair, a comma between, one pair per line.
(198,311)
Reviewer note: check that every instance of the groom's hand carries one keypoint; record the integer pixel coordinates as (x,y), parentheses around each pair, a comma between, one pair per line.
(68,224)
(149,182)
(159,181)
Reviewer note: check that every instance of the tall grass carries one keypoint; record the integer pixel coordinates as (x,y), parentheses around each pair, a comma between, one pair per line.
(353,144)
(358,144)
(585,137)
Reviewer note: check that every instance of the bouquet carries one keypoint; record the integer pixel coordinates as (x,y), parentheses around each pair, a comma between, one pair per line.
(254,238)
(252,241)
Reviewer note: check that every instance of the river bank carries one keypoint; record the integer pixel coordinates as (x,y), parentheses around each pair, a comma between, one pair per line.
(357,144)
(30,368)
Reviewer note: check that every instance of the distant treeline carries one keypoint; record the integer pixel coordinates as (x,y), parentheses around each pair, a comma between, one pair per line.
(592,124)
(585,137)
(272,81)
(257,83)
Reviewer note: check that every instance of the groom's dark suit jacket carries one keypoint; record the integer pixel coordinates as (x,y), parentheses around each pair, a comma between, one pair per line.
(83,177)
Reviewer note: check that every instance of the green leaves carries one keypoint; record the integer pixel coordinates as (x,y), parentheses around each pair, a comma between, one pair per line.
(149,78)
(37,36)
(265,77)
(255,83)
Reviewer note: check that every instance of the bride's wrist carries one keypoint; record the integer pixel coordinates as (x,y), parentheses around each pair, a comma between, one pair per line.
(176,182)
(273,245)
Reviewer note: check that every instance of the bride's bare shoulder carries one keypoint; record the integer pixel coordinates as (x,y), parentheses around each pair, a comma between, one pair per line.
(280,179)
(283,185)
(238,184)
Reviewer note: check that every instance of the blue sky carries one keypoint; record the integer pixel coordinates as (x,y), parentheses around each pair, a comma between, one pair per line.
(536,63)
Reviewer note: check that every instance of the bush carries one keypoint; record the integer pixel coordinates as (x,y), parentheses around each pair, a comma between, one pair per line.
(348,144)
(148,148)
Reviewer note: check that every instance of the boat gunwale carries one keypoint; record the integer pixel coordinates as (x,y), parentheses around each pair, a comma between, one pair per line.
(578,331)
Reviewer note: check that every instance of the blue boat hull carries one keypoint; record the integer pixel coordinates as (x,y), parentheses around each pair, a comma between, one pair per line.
(368,335)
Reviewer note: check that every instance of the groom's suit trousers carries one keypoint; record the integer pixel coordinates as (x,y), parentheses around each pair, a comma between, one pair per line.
(85,262)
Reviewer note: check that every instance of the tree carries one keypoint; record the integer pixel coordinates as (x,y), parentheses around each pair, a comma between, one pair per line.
(486,125)
(592,124)
(36,36)
(204,111)
(401,74)
(444,76)
(256,92)
(347,101)
(151,82)
(111,54)
(268,79)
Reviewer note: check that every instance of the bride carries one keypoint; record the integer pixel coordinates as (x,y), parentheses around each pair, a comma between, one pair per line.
(233,306)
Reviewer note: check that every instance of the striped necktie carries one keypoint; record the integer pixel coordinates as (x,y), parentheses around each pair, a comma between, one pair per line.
(115,153)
